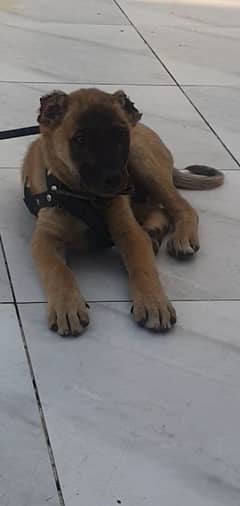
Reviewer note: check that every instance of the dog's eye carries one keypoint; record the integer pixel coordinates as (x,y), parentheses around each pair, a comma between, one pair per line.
(79,138)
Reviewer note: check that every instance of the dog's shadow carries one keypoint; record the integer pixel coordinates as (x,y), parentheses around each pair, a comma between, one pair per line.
(101,274)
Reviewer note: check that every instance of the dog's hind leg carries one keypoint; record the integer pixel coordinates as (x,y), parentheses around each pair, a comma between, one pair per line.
(183,241)
(157,225)
(152,167)
(154,221)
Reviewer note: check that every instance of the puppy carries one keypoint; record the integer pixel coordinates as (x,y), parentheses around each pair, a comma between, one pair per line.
(77,178)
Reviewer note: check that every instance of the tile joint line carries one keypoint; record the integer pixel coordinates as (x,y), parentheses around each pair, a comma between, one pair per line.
(180,87)
(34,383)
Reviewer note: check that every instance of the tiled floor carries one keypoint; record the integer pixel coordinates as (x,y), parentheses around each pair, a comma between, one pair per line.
(118,416)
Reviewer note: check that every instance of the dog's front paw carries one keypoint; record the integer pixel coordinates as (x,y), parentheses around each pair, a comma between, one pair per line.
(155,313)
(183,248)
(67,314)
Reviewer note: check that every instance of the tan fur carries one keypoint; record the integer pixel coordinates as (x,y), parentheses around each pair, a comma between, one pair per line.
(151,166)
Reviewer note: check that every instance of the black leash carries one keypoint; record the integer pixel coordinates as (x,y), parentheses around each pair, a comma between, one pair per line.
(19,132)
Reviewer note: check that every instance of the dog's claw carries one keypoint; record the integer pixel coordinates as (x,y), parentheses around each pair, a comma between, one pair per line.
(182,249)
(68,316)
(155,315)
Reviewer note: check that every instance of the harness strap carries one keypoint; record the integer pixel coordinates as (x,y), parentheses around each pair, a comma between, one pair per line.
(80,205)
(38,201)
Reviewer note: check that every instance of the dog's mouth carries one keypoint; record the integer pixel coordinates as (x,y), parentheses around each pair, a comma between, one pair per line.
(107,187)
(117,187)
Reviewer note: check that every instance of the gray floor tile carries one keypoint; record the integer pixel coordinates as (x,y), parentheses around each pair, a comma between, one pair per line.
(91,12)
(193,39)
(172,12)
(62,52)
(143,419)
(26,477)
(220,105)
(5,290)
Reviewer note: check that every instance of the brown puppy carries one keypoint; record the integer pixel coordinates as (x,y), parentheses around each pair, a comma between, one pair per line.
(93,143)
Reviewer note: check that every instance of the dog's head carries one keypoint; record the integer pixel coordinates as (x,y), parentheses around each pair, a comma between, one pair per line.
(89,132)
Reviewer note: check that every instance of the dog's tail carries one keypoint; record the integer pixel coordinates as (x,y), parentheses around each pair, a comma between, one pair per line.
(199,177)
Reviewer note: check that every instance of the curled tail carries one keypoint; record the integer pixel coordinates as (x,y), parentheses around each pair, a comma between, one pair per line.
(199,177)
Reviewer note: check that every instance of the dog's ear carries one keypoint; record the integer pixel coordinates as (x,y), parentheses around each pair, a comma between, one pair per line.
(52,108)
(128,106)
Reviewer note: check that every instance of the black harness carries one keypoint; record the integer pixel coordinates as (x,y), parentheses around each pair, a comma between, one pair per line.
(82,205)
